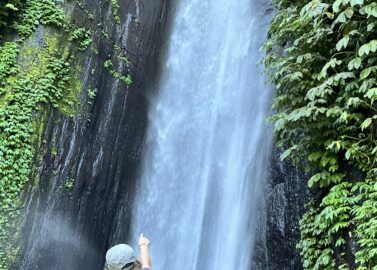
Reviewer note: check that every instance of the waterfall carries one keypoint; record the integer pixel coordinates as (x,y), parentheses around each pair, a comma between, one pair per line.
(205,159)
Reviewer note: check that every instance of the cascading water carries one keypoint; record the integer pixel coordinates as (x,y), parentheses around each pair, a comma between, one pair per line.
(207,144)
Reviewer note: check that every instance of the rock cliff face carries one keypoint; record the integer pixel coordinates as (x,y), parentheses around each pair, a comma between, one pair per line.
(278,224)
(87,164)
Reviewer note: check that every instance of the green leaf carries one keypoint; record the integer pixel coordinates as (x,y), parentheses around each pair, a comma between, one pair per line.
(370,10)
(11,6)
(280,124)
(324,179)
(336,6)
(287,152)
(357,2)
(332,63)
(354,63)
(348,154)
(353,102)
(341,18)
(349,13)
(367,48)
(366,123)
(330,15)
(372,93)
(366,72)
(335,145)
(342,43)
(371,27)
(315,156)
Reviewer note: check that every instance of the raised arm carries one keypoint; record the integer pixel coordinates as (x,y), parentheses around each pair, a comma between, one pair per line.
(144,252)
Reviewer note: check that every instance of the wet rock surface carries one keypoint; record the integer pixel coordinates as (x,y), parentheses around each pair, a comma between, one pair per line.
(88,164)
(278,224)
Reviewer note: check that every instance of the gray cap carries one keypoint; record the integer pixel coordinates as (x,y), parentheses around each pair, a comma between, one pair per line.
(118,256)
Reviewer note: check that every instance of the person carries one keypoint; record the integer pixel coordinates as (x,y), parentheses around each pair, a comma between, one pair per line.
(122,257)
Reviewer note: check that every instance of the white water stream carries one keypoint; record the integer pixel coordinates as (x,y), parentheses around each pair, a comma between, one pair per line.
(205,160)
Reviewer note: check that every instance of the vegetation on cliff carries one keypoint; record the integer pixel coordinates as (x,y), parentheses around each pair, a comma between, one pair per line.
(39,46)
(8,11)
(322,57)
(32,78)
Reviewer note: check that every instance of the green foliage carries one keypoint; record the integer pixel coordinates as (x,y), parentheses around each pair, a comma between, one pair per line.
(365,213)
(92,93)
(33,79)
(115,7)
(321,55)
(8,58)
(83,36)
(69,183)
(41,80)
(42,12)
(124,78)
(8,11)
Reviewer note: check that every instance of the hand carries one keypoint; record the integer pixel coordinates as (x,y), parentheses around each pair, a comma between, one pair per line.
(143,241)
(144,252)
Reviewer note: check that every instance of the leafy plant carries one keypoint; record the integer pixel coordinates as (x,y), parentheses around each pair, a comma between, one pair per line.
(69,183)
(42,12)
(321,55)
(83,36)
(35,79)
(42,79)
(108,65)
(92,93)
(8,11)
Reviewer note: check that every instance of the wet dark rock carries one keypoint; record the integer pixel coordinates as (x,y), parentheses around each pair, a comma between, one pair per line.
(278,224)
(98,150)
